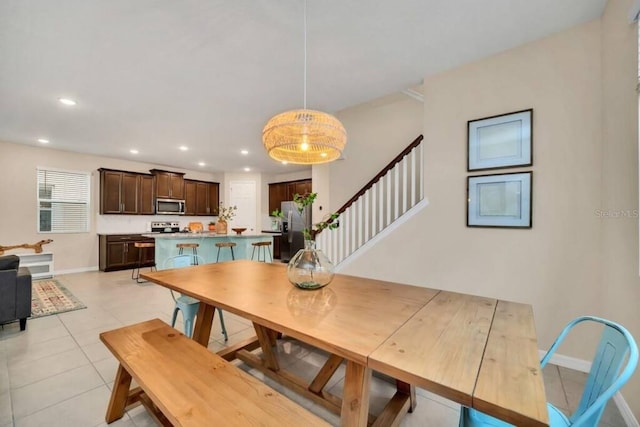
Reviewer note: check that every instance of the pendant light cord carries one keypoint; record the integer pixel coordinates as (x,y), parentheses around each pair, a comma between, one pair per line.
(305,55)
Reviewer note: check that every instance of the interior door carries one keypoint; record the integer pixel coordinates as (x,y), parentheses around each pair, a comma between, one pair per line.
(243,195)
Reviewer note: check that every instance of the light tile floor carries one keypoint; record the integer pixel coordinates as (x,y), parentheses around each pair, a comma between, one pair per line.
(58,373)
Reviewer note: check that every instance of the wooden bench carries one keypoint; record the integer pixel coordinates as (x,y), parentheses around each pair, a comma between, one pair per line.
(184,384)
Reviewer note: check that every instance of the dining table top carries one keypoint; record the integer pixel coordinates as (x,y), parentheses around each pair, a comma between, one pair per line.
(480,352)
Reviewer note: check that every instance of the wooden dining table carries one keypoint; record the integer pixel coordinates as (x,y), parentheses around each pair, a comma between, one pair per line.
(477,351)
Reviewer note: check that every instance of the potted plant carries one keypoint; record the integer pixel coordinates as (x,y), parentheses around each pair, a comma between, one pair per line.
(212,226)
(310,268)
(276,222)
(225,214)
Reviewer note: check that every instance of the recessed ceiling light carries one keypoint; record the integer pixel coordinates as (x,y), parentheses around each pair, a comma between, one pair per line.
(284,162)
(67,101)
(43,140)
(183,148)
(201,164)
(245,152)
(133,151)
(247,169)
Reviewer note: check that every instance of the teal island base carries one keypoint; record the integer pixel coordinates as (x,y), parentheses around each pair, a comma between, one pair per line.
(166,246)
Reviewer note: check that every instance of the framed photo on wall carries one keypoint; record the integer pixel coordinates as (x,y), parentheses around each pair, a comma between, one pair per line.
(502,141)
(501,200)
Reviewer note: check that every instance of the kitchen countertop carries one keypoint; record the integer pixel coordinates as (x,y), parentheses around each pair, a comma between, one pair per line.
(124,233)
(205,235)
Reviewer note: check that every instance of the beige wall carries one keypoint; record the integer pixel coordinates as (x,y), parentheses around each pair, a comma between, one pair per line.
(377,131)
(620,281)
(573,261)
(72,251)
(555,265)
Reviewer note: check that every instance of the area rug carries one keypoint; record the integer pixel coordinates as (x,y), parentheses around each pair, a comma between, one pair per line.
(51,297)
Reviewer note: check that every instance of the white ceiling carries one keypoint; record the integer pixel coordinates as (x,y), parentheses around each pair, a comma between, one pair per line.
(156,74)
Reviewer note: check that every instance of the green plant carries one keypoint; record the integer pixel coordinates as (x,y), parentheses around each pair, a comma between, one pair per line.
(277,213)
(329,222)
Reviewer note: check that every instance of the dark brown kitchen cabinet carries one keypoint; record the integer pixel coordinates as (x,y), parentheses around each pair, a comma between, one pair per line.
(190,203)
(284,191)
(214,198)
(123,192)
(146,205)
(201,197)
(276,246)
(118,252)
(169,185)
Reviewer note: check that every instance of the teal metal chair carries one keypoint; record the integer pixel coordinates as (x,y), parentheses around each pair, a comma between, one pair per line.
(187,305)
(604,380)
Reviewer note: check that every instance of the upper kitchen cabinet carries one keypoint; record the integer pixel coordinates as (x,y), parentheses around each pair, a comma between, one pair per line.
(146,198)
(123,192)
(214,198)
(284,191)
(169,185)
(201,197)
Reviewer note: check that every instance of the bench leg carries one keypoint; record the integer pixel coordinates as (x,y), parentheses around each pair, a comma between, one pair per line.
(119,395)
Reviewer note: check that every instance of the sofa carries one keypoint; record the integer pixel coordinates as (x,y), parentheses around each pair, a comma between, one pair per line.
(15,291)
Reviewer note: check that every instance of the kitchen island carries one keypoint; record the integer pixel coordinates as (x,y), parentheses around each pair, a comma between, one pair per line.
(166,245)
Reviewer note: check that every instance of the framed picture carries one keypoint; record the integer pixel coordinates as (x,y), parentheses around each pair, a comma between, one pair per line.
(502,200)
(503,141)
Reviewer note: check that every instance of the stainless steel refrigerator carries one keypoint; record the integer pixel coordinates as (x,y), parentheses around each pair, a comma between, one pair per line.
(292,225)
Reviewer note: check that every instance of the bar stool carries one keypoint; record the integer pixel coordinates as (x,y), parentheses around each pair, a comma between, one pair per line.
(141,246)
(229,245)
(194,250)
(261,247)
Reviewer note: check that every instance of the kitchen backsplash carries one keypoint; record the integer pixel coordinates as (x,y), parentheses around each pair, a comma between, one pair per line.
(106,224)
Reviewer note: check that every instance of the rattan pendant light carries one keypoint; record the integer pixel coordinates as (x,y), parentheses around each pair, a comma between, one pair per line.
(304,136)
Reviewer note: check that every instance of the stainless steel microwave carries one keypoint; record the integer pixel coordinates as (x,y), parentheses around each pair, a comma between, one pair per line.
(169,207)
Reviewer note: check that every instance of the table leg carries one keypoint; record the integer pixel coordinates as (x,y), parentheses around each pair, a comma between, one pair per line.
(355,402)
(204,320)
(410,390)
(268,354)
(119,395)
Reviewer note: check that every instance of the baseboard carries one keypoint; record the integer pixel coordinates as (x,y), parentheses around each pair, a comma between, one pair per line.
(567,361)
(584,366)
(75,270)
(625,411)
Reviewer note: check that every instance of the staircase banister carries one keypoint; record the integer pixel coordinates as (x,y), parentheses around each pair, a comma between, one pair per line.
(380,174)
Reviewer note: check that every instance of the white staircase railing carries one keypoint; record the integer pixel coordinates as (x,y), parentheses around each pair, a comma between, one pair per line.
(391,193)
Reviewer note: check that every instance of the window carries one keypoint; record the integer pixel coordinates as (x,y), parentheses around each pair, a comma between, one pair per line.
(63,201)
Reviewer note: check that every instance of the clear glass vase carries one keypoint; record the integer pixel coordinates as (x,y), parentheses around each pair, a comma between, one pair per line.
(310,268)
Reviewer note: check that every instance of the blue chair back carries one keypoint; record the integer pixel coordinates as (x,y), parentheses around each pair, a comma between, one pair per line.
(605,377)
(180,261)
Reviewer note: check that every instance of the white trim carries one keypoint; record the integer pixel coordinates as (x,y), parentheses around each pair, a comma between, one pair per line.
(415,94)
(584,366)
(567,361)
(625,410)
(75,270)
(384,233)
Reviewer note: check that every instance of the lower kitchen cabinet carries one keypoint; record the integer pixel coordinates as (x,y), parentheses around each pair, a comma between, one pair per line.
(276,247)
(118,252)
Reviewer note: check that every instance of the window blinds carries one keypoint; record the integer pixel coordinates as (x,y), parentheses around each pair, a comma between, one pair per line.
(63,201)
